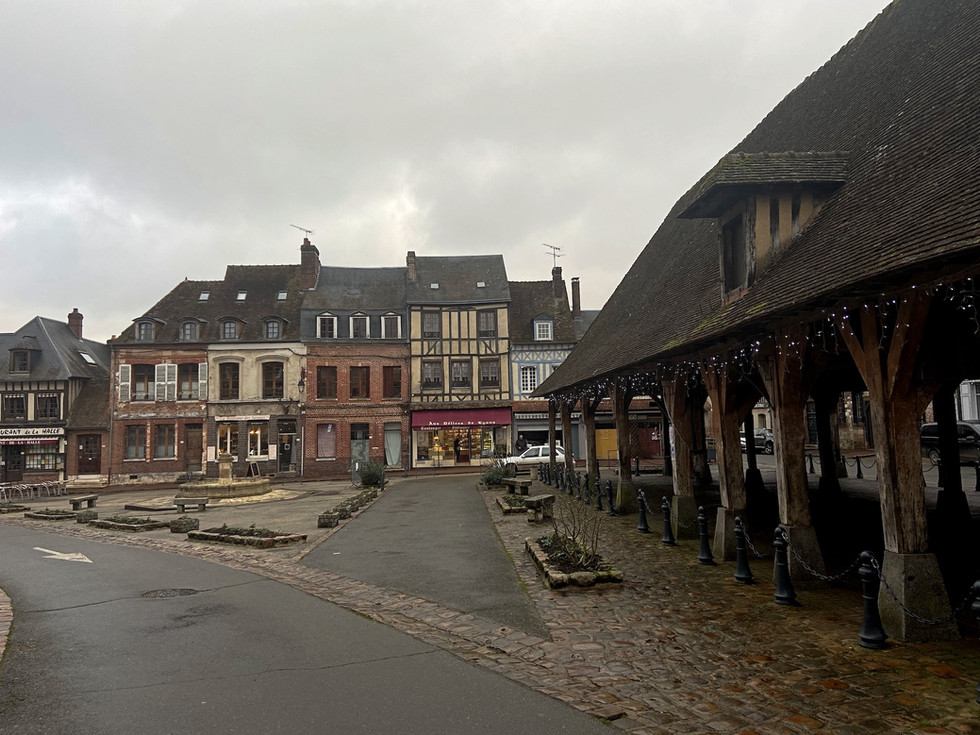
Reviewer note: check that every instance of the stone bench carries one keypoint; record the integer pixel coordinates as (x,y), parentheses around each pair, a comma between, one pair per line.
(515,485)
(182,503)
(539,507)
(89,500)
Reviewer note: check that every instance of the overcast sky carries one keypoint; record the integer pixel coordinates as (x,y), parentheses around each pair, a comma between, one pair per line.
(145,142)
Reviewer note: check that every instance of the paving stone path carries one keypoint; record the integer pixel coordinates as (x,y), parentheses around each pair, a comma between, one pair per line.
(677,648)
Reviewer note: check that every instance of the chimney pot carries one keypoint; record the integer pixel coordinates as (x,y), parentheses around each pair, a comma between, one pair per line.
(410,262)
(576,299)
(309,264)
(75,322)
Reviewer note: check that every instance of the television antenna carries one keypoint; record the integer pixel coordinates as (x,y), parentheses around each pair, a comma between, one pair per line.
(555,253)
(303,229)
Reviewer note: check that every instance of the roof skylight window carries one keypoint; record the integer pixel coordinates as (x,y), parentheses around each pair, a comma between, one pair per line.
(204,296)
(282,296)
(241,295)
(87,357)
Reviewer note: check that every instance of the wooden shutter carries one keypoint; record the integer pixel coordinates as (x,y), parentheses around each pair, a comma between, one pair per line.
(202,379)
(125,375)
(171,382)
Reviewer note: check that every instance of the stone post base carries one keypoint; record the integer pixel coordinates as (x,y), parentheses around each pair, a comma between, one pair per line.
(723,547)
(684,516)
(917,583)
(804,540)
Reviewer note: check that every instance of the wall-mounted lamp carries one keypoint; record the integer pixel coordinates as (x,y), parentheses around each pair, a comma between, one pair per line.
(302,380)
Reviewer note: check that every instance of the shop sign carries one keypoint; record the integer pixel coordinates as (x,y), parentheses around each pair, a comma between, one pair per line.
(32,432)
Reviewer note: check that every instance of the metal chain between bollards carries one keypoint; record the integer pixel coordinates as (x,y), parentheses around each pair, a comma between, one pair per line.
(751,546)
(968,598)
(823,577)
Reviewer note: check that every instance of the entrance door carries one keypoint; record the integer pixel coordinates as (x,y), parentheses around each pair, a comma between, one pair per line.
(14,463)
(360,448)
(89,454)
(193,446)
(287,443)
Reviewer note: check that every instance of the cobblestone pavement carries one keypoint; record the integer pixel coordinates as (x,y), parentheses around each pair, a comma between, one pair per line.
(677,648)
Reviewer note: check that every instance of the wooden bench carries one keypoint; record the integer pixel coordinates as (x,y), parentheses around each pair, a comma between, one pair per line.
(515,485)
(89,500)
(182,503)
(539,507)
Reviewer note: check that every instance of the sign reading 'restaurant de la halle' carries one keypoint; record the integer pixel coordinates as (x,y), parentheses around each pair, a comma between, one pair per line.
(24,432)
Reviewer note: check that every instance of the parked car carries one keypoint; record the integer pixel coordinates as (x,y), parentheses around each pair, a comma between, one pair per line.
(533,456)
(763,441)
(968,434)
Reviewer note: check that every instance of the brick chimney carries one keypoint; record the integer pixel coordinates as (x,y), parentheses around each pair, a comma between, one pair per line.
(576,299)
(557,284)
(410,262)
(75,322)
(310,264)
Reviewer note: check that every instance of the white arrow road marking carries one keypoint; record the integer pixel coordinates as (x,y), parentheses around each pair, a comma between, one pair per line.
(62,556)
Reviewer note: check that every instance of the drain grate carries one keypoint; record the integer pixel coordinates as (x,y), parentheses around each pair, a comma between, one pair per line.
(156,594)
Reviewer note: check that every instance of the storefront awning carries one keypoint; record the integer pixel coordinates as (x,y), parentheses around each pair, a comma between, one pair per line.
(460,418)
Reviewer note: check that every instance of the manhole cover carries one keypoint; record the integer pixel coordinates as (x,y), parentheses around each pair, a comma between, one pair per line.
(152,594)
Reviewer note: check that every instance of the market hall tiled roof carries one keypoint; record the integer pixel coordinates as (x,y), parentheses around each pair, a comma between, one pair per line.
(901,99)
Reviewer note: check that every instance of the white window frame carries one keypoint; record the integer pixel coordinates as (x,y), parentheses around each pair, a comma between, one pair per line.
(277,325)
(166,382)
(320,321)
(398,326)
(529,378)
(544,330)
(367,325)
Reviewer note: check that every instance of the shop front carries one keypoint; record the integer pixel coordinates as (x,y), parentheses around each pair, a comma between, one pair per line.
(32,454)
(460,437)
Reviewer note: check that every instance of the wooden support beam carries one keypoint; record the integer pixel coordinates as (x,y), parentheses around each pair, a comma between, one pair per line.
(621,394)
(684,508)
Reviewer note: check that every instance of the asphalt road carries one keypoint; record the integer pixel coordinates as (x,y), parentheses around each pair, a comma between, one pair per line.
(140,641)
(431,537)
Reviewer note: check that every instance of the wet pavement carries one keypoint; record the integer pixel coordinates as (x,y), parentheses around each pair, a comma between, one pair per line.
(678,647)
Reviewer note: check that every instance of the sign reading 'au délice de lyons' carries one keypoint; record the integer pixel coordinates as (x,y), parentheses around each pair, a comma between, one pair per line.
(34,431)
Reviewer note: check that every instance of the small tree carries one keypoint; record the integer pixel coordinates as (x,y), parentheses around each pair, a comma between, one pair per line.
(371,474)
(576,530)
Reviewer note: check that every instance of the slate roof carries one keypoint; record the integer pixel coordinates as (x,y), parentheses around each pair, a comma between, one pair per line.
(261,284)
(457,277)
(901,100)
(57,352)
(345,291)
(90,410)
(531,299)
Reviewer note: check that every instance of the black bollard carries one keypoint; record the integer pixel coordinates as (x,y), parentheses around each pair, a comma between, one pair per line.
(642,502)
(939,466)
(570,482)
(578,485)
(975,609)
(610,499)
(872,635)
(809,458)
(637,466)
(785,594)
(860,474)
(704,553)
(668,539)
(598,493)
(743,575)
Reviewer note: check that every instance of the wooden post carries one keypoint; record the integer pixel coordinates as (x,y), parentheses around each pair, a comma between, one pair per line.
(684,508)
(723,394)
(566,436)
(826,399)
(589,407)
(621,395)
(552,411)
(885,349)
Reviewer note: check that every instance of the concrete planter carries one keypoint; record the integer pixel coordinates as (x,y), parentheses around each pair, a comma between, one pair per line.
(556,579)
(84,516)
(327,520)
(129,527)
(13,508)
(256,542)
(507,508)
(61,515)
(183,525)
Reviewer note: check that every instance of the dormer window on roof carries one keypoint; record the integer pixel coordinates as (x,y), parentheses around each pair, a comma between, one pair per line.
(20,361)
(326,326)
(144,331)
(762,201)
(544,330)
(273,329)
(230,329)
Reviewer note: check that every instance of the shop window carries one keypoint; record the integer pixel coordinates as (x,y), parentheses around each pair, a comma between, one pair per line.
(258,439)
(326,441)
(272,380)
(228,439)
(360,381)
(14,407)
(461,373)
(529,379)
(228,379)
(392,381)
(42,457)
(20,361)
(431,375)
(489,374)
(326,382)
(486,323)
(135,442)
(47,406)
(431,324)
(165,445)
(143,385)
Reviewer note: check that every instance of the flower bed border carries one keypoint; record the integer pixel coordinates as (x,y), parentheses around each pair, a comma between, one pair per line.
(39,515)
(256,541)
(13,508)
(507,508)
(556,579)
(129,527)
